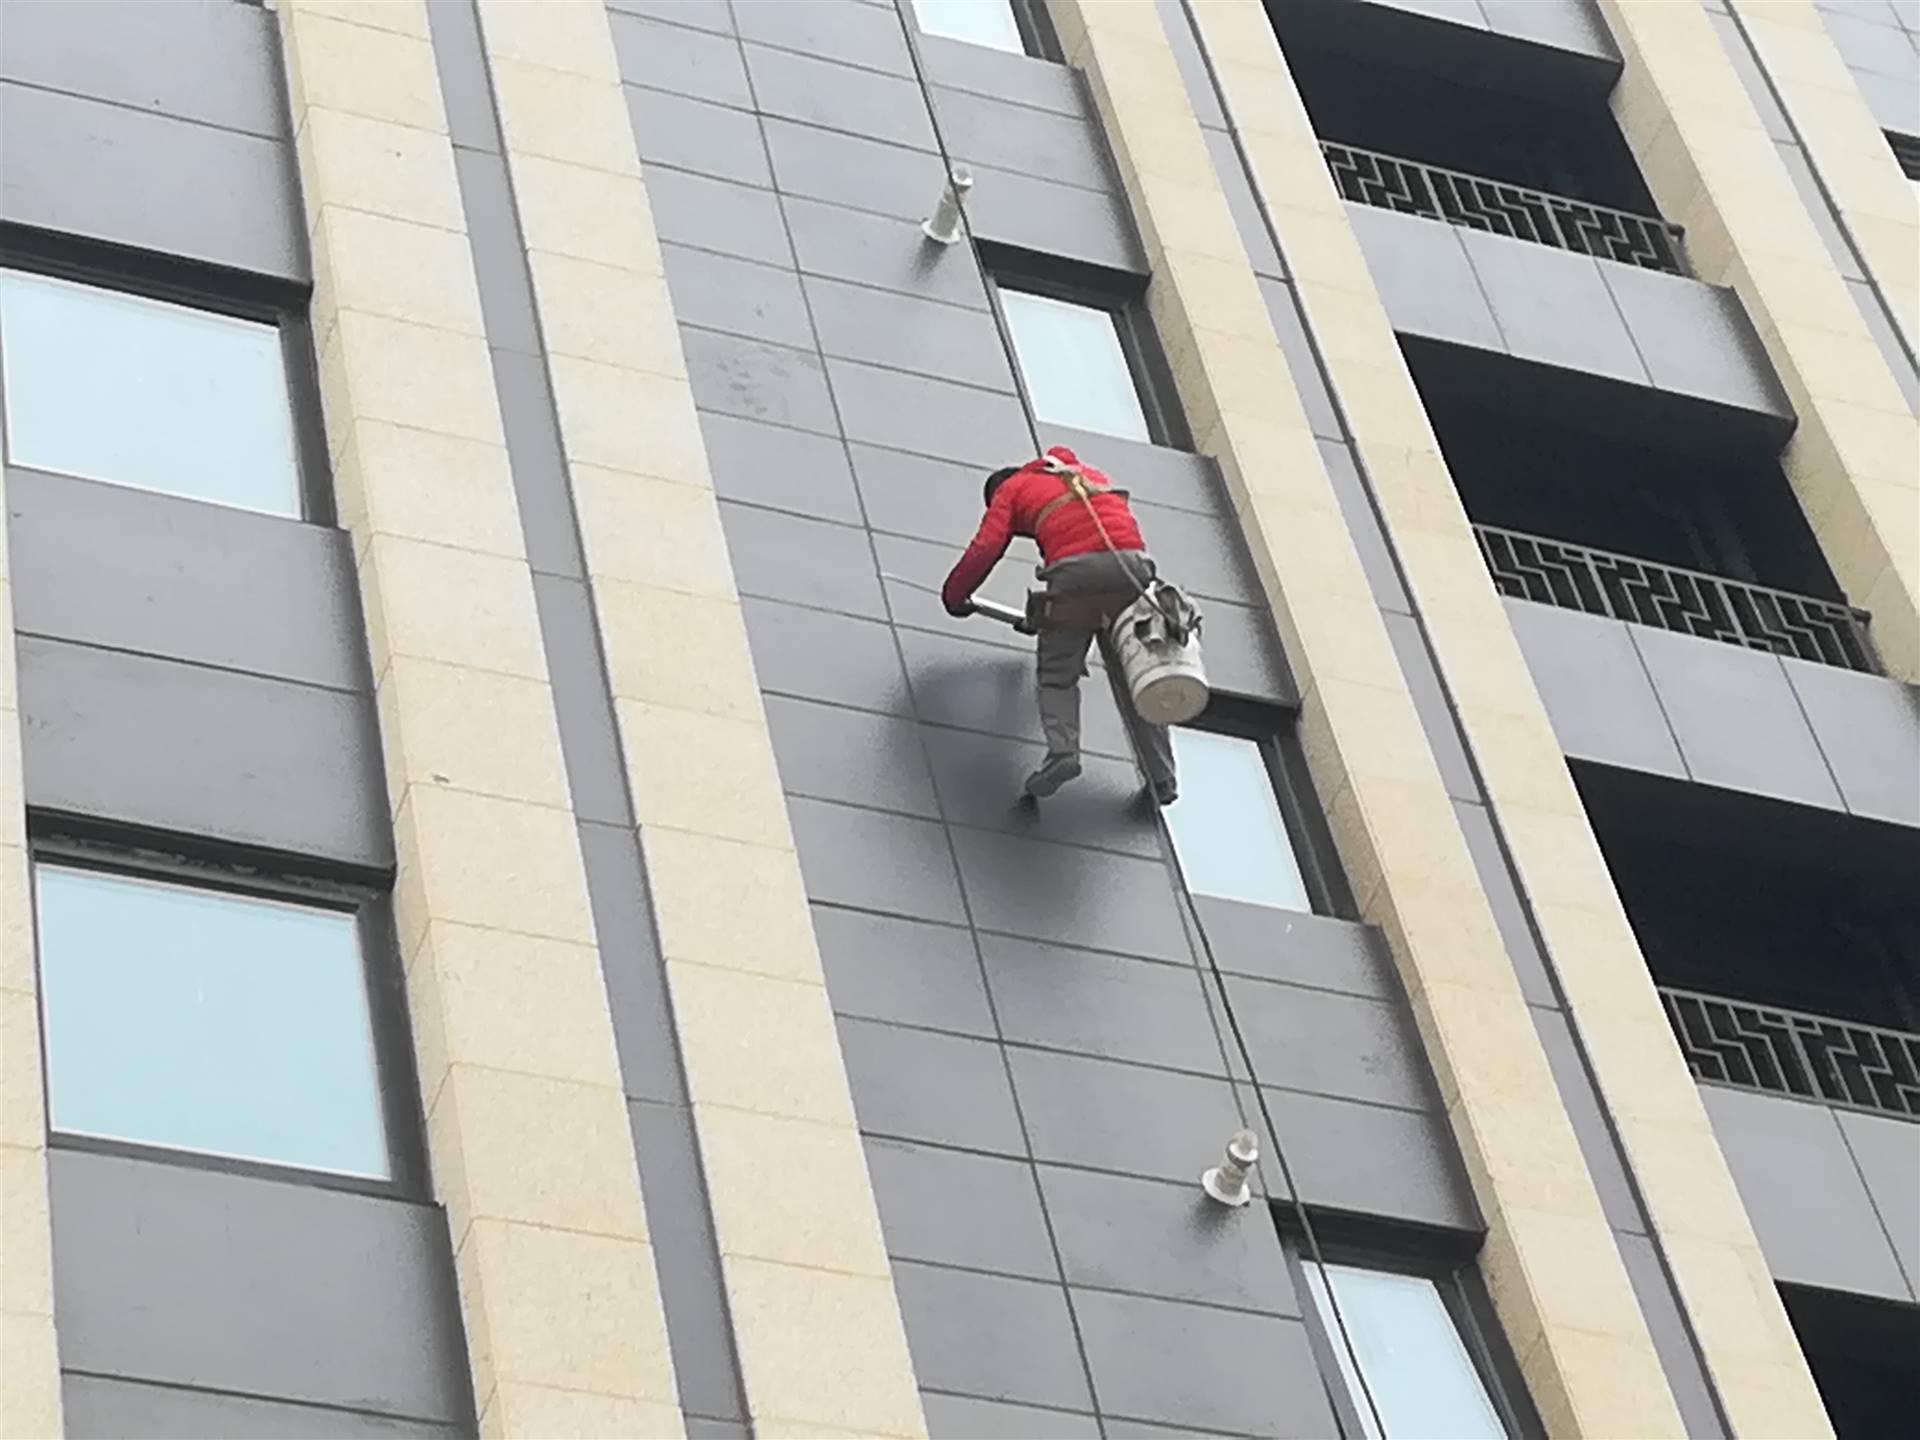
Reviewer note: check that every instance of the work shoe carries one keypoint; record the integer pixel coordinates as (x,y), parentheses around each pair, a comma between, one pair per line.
(1055,772)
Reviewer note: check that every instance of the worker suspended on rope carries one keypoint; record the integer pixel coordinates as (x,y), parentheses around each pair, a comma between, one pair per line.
(1094,565)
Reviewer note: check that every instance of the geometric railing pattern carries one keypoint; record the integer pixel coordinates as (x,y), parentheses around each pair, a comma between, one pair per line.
(1814,1057)
(1551,572)
(1391,183)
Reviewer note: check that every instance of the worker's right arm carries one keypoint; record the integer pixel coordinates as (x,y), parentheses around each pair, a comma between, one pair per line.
(989,543)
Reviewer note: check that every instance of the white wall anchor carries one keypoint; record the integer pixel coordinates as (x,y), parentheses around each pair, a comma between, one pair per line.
(1227,1181)
(943,226)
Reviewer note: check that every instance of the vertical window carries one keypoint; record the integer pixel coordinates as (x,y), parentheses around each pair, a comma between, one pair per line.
(1228,829)
(1075,364)
(114,386)
(1419,1375)
(978,22)
(209,1021)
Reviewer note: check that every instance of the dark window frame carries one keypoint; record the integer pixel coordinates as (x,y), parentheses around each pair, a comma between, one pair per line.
(207,866)
(1447,1258)
(217,291)
(1276,732)
(1123,297)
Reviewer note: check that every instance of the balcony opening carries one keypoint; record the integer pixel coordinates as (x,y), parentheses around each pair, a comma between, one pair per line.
(1428,117)
(1861,1354)
(1786,939)
(1636,504)
(1402,84)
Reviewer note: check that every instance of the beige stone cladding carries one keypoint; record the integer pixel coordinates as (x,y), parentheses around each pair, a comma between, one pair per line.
(821,1343)
(526,1116)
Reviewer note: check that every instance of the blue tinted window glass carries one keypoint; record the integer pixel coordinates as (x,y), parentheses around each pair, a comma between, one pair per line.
(979,22)
(1227,828)
(1419,1375)
(1075,370)
(140,392)
(206,1021)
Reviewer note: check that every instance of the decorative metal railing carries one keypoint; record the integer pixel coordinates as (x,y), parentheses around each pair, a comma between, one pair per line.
(1787,1053)
(1478,203)
(1713,607)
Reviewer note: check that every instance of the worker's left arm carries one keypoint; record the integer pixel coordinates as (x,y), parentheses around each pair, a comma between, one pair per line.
(989,543)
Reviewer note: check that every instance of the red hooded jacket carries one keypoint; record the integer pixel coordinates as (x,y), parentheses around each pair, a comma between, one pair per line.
(1069,530)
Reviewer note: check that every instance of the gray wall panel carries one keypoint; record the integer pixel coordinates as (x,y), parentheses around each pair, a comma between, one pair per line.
(852,170)
(864,35)
(1552,307)
(927,416)
(822,656)
(961,1417)
(1424,277)
(757,381)
(1596,690)
(1093,226)
(1887,1152)
(717,215)
(801,560)
(873,250)
(1372,1160)
(96,1408)
(1329,1044)
(979,778)
(1696,339)
(1155,1238)
(1104,1005)
(1868,729)
(941,1089)
(1072,895)
(1104,1115)
(1736,718)
(839,97)
(192,1277)
(1160,1360)
(990,1336)
(880,967)
(856,757)
(688,61)
(882,327)
(123,568)
(1316,950)
(1810,1208)
(781,468)
(1023,79)
(208,752)
(694,135)
(954,1208)
(990,689)
(205,60)
(115,174)
(873,861)
(993,132)
(718,292)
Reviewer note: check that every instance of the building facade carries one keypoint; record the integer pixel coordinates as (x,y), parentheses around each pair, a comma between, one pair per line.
(518,913)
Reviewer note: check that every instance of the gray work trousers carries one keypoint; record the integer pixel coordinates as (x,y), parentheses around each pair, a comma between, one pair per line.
(1061,660)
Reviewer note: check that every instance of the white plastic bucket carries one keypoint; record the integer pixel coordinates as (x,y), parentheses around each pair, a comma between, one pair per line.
(1163,669)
